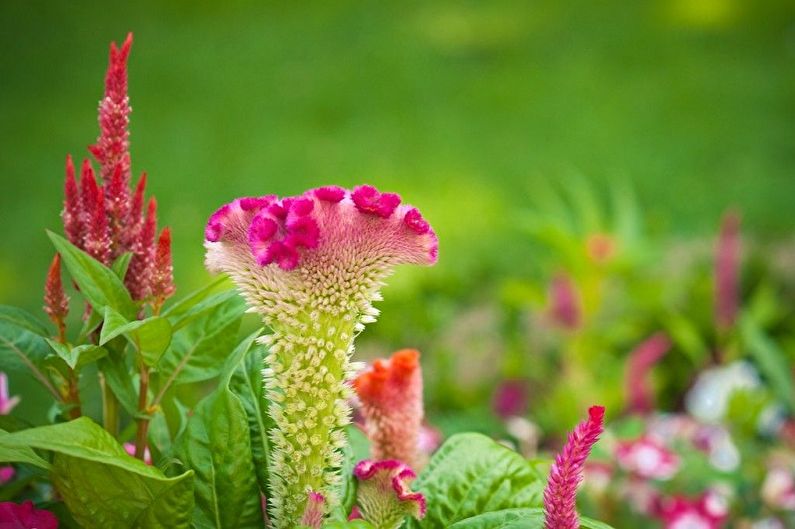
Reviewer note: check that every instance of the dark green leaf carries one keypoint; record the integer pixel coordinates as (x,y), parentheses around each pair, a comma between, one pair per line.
(470,475)
(99,284)
(198,350)
(150,337)
(217,446)
(248,386)
(77,357)
(771,361)
(102,485)
(22,335)
(517,519)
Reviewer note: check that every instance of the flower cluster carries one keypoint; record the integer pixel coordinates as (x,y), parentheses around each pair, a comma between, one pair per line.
(107,220)
(391,396)
(708,511)
(647,458)
(312,266)
(383,495)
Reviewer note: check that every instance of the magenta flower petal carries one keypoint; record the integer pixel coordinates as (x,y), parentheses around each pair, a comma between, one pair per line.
(25,516)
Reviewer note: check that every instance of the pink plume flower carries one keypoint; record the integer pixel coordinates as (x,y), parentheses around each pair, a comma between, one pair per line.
(7,403)
(56,302)
(641,360)
(391,396)
(163,271)
(26,516)
(314,512)
(564,303)
(647,458)
(708,511)
(560,495)
(727,271)
(384,497)
(72,214)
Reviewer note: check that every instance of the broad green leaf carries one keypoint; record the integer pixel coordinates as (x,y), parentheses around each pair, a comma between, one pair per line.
(77,357)
(771,360)
(23,336)
(99,284)
(102,485)
(199,349)
(217,446)
(151,337)
(471,474)
(121,264)
(196,303)
(20,454)
(353,524)
(247,384)
(117,375)
(517,519)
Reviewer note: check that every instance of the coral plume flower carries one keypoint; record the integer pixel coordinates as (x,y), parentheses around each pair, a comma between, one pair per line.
(560,495)
(391,396)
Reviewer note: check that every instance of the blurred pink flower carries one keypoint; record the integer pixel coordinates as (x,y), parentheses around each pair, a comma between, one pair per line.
(641,360)
(391,395)
(727,271)
(6,403)
(130,449)
(560,494)
(429,439)
(25,516)
(647,458)
(564,303)
(778,489)
(7,473)
(708,511)
(510,398)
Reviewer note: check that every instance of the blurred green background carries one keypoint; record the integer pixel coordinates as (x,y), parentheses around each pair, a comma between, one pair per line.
(463,107)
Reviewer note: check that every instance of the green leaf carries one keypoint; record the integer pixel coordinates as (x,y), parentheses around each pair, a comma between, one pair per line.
(196,303)
(117,375)
(121,264)
(99,284)
(20,454)
(470,475)
(217,446)
(771,360)
(77,357)
(353,524)
(23,342)
(517,519)
(247,384)
(151,337)
(198,350)
(104,487)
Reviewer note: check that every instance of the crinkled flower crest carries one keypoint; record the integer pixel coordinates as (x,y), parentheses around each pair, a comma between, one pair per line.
(560,495)
(391,396)
(383,496)
(312,266)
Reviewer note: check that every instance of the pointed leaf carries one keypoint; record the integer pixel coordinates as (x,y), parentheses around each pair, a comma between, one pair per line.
(151,336)
(77,357)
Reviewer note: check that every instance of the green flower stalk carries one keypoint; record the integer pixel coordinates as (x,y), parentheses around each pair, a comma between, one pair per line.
(312,266)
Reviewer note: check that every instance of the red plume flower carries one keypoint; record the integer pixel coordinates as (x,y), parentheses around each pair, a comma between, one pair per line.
(139,275)
(72,206)
(641,361)
(727,264)
(97,240)
(391,396)
(560,495)
(162,283)
(56,302)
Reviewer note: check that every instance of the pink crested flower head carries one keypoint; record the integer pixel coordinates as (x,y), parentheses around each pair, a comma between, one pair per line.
(560,494)
(708,511)
(384,497)
(564,302)
(727,271)
(391,396)
(329,247)
(26,516)
(511,398)
(641,360)
(314,511)
(647,458)
(7,403)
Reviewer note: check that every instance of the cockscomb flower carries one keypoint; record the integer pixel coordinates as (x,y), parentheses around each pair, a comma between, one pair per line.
(383,495)
(564,303)
(727,265)
(641,360)
(7,403)
(391,396)
(56,302)
(560,494)
(647,458)
(312,266)
(139,274)
(26,516)
(162,271)
(708,511)
(314,510)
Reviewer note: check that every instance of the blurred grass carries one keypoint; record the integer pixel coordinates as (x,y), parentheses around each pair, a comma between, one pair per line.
(463,107)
